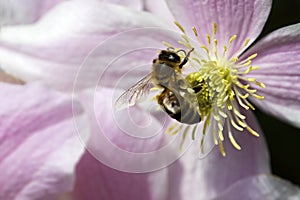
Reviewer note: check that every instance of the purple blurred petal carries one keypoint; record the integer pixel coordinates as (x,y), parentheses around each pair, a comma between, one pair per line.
(96,174)
(260,187)
(39,146)
(53,49)
(160,9)
(130,140)
(207,178)
(279,61)
(234,17)
(136,4)
(96,181)
(24,11)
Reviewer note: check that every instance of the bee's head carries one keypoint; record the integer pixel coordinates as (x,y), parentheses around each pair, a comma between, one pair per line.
(169,56)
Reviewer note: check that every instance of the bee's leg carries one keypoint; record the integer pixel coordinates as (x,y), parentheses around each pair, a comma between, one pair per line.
(185,58)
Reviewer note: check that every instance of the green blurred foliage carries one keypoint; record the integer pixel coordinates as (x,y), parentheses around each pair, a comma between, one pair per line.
(283,140)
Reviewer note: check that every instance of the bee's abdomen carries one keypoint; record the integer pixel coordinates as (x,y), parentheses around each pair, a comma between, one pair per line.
(189,114)
(178,107)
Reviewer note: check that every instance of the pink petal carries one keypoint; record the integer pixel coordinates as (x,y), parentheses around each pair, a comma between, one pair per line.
(39,146)
(24,11)
(136,4)
(261,187)
(96,181)
(118,145)
(207,178)
(46,51)
(130,140)
(234,17)
(160,9)
(279,61)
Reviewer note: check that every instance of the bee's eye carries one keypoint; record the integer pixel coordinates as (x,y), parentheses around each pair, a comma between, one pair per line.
(171,57)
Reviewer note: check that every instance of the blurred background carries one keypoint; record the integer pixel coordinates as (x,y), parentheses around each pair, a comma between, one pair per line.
(283,140)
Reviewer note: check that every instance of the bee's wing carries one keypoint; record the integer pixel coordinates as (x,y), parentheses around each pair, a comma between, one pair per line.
(134,94)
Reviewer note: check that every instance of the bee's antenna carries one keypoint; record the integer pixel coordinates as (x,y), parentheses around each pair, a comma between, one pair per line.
(170,48)
(185,58)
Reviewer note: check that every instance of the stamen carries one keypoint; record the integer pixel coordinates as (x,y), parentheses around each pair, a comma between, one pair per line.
(208,39)
(232,38)
(170,128)
(176,130)
(231,138)
(167,44)
(258,96)
(222,150)
(195,31)
(215,28)
(252,131)
(224,87)
(194,132)
(184,136)
(246,42)
(179,26)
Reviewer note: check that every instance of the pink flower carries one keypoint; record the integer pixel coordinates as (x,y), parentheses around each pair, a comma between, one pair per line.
(41,154)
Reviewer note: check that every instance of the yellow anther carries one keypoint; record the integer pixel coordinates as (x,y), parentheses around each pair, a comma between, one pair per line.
(236,126)
(176,131)
(222,150)
(252,131)
(246,71)
(222,114)
(234,59)
(252,56)
(251,90)
(250,105)
(232,38)
(179,26)
(229,107)
(170,128)
(260,84)
(233,142)
(167,44)
(242,124)
(215,28)
(246,42)
(247,63)
(195,31)
(220,126)
(242,104)
(208,38)
(225,50)
(245,96)
(205,48)
(238,114)
(258,96)
(243,86)
(216,42)
(251,79)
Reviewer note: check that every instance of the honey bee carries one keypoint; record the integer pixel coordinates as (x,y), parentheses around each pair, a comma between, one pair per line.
(177,98)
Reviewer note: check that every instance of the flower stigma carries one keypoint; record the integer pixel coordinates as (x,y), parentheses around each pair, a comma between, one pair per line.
(220,86)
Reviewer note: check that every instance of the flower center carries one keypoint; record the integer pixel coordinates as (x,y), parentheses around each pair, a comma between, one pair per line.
(220,84)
